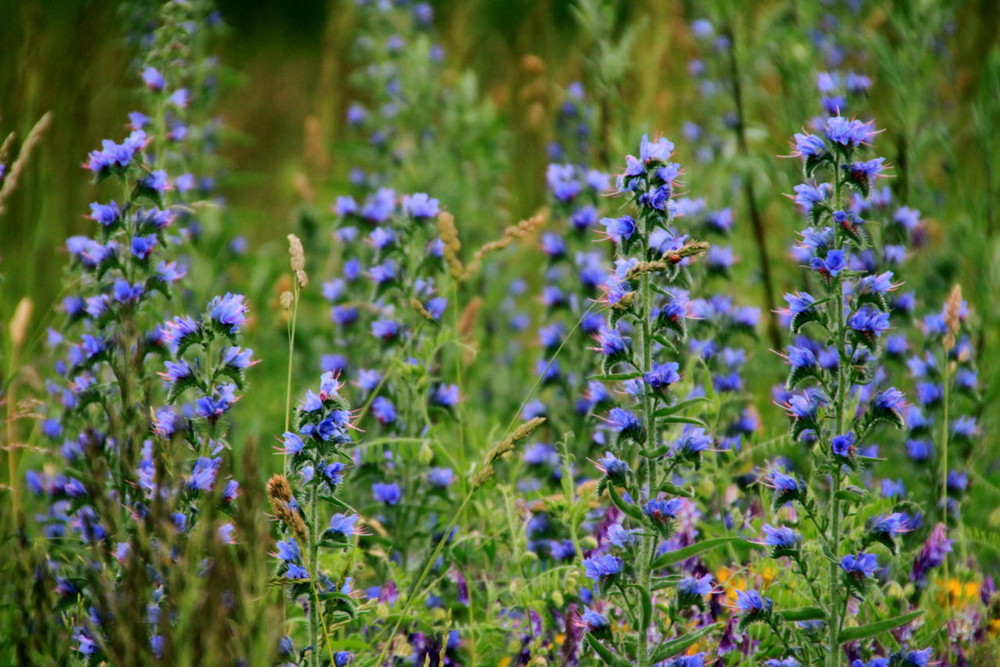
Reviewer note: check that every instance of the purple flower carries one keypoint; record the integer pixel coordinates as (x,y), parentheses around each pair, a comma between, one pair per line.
(153,79)
(932,555)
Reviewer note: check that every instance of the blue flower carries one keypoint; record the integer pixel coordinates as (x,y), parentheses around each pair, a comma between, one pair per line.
(869,321)
(890,399)
(781,537)
(663,375)
(420,206)
(105,214)
(662,511)
(602,568)
(849,133)
(809,145)
(917,658)
(752,603)
(843,445)
(343,524)
(445,395)
(799,302)
(695,586)
(620,229)
(693,442)
(613,467)
(624,422)
(889,525)
(383,410)
(594,621)
(229,311)
(440,477)
(832,265)
(563,182)
(388,494)
(203,473)
(860,566)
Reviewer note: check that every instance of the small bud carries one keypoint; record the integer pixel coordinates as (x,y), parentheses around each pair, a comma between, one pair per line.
(286,300)
(426,454)
(557,598)
(894,591)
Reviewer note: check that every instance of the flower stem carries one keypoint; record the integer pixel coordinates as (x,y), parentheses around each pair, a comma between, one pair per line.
(648,548)
(843,368)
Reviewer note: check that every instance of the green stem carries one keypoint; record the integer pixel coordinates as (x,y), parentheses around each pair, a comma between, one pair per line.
(314,572)
(648,548)
(291,354)
(843,368)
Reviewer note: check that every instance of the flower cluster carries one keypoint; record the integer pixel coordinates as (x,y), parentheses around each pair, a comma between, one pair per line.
(646,321)
(833,412)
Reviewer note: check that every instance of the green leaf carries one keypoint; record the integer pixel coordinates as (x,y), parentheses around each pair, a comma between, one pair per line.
(681,420)
(616,376)
(647,606)
(802,614)
(619,502)
(851,495)
(670,487)
(673,647)
(681,405)
(872,629)
(672,557)
(606,654)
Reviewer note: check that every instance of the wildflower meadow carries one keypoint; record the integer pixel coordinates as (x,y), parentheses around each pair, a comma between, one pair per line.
(498,333)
